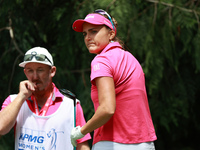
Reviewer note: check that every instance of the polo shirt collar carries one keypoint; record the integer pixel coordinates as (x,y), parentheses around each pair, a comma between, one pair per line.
(111,46)
(56,93)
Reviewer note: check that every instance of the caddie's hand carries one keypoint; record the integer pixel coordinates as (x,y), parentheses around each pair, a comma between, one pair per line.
(76,134)
(26,88)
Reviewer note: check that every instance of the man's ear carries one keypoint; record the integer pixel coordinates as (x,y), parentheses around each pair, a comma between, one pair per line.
(24,71)
(53,71)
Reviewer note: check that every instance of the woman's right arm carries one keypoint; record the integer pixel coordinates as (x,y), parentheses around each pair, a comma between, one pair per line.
(107,104)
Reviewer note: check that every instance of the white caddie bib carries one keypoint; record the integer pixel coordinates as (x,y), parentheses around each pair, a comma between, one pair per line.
(51,132)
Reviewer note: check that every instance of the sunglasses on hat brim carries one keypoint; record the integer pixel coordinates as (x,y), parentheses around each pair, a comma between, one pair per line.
(38,57)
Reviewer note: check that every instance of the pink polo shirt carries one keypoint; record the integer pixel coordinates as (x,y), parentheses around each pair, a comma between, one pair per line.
(54,105)
(132,122)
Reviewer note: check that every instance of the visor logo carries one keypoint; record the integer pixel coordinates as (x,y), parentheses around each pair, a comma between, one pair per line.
(91,16)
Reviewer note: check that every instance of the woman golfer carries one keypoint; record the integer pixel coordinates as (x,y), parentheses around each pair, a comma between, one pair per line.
(122,119)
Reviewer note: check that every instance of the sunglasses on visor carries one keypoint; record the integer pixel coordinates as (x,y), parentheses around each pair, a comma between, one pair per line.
(103,12)
(38,57)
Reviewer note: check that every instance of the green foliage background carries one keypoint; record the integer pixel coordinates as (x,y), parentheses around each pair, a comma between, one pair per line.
(163,35)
